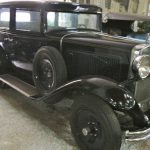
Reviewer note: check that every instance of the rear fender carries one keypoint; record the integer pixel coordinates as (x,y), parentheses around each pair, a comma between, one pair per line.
(4,61)
(2,52)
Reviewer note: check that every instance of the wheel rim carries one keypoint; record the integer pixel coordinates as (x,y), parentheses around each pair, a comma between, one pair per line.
(46,74)
(89,130)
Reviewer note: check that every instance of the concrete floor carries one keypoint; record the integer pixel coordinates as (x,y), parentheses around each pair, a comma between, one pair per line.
(27,125)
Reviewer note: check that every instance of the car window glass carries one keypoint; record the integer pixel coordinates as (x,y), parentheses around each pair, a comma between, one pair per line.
(28,20)
(65,20)
(4,17)
(51,19)
(59,20)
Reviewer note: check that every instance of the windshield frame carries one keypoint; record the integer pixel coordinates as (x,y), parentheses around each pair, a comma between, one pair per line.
(99,21)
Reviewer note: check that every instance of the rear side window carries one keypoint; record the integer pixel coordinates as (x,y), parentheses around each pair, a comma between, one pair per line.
(28,20)
(4,17)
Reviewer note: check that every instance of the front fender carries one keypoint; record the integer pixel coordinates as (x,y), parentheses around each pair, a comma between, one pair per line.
(119,98)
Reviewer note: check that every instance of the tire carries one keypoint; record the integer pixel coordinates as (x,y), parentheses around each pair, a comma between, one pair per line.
(94,124)
(49,70)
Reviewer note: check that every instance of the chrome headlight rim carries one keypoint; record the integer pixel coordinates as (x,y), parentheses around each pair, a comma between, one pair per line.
(141,66)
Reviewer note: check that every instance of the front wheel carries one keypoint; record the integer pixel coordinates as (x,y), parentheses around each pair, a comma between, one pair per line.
(94,124)
(49,69)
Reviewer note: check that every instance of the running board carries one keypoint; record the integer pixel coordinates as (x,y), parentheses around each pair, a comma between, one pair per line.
(137,136)
(20,86)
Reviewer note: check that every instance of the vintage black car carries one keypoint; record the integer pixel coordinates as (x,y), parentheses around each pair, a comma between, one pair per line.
(49,50)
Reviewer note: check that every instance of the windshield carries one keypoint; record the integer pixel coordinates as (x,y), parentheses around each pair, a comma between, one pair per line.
(65,20)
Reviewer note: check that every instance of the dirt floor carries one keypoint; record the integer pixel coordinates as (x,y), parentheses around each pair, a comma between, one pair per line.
(27,125)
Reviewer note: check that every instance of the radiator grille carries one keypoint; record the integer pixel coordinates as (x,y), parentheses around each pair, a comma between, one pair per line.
(81,63)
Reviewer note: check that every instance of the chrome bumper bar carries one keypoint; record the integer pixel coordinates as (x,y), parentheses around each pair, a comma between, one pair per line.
(136,136)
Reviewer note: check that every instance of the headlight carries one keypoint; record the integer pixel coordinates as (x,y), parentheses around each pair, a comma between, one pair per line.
(141,64)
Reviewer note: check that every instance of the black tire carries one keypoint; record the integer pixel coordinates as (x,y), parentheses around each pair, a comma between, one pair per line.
(49,69)
(94,124)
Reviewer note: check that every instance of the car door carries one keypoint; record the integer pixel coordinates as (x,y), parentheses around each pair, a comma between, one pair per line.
(24,41)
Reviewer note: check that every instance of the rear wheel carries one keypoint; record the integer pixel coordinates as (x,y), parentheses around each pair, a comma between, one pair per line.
(94,124)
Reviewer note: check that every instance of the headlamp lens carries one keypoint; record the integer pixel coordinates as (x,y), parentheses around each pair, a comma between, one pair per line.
(141,65)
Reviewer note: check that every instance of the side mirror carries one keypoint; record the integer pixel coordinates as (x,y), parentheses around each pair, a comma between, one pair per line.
(148,38)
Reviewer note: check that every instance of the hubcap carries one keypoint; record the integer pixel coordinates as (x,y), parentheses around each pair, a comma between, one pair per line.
(46,74)
(86,131)
(89,130)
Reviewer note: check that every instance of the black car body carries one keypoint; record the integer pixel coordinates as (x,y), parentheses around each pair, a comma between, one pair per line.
(52,49)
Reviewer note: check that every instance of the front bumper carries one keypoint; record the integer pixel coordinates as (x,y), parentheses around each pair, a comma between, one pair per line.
(136,136)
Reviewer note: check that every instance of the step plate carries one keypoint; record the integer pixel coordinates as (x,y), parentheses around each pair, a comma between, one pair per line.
(19,85)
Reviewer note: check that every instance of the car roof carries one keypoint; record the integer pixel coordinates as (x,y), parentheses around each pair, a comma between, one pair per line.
(53,5)
(128,17)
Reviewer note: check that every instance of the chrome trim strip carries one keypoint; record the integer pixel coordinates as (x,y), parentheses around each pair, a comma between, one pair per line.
(139,139)
(137,135)
(128,133)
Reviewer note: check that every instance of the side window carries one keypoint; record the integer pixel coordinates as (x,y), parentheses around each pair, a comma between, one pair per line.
(65,20)
(51,19)
(28,20)
(4,17)
(59,20)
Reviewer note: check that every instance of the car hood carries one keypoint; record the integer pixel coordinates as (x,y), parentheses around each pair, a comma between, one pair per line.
(93,38)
